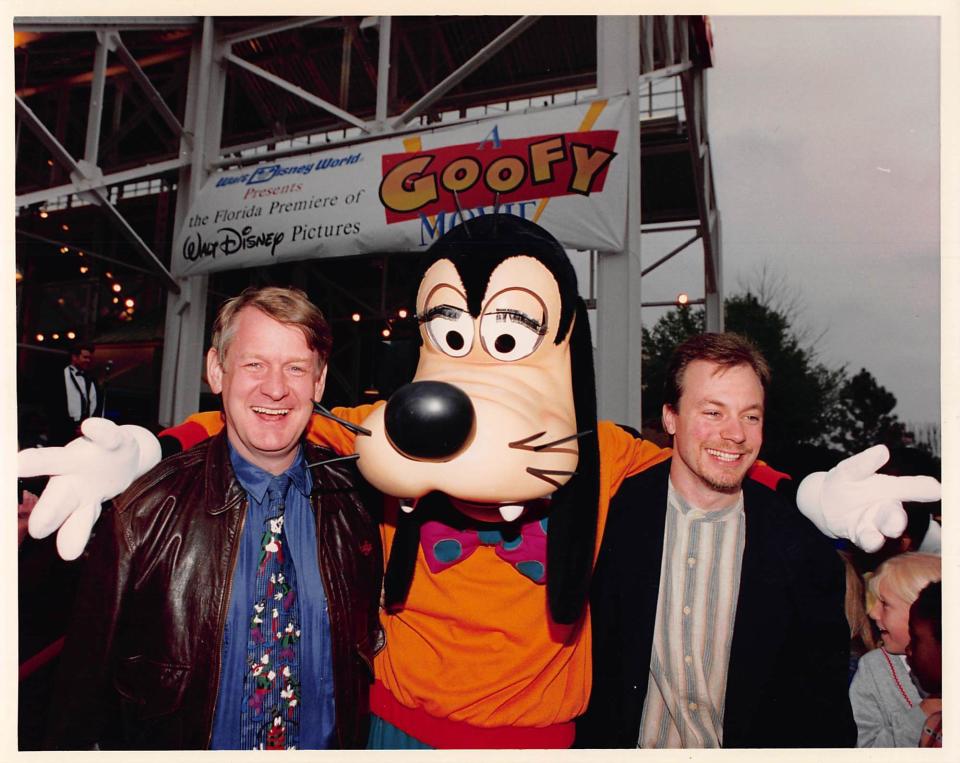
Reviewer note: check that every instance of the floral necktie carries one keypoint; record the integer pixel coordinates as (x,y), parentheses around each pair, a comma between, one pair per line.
(271,711)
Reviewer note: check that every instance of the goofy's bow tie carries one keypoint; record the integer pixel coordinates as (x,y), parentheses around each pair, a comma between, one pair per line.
(445,546)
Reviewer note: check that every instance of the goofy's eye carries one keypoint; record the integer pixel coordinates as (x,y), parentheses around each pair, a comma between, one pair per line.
(450,329)
(510,334)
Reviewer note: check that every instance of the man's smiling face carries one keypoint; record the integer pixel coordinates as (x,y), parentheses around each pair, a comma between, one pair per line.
(717,431)
(268,380)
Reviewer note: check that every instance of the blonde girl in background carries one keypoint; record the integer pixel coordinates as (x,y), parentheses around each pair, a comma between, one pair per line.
(889,709)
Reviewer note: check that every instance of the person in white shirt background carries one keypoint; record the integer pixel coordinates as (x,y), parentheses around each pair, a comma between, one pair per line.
(83,398)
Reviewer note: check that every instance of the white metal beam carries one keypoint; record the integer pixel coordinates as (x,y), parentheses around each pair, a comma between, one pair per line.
(714,297)
(273,28)
(694,100)
(669,255)
(206,84)
(385,27)
(297,91)
(646,42)
(50,195)
(346,56)
(671,52)
(619,327)
(184,339)
(140,77)
(77,173)
(665,73)
(95,109)
(477,60)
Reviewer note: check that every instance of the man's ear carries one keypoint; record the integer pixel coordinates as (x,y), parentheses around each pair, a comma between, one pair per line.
(321,383)
(214,371)
(669,417)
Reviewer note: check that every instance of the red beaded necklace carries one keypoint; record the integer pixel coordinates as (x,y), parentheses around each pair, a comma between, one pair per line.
(896,680)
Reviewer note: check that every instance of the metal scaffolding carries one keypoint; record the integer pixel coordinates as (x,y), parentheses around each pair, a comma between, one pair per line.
(195,82)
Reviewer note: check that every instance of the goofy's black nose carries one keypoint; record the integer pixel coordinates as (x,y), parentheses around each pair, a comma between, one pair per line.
(429,420)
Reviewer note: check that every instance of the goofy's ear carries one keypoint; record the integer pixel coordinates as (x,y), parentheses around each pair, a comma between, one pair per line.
(406,544)
(572,532)
(403,561)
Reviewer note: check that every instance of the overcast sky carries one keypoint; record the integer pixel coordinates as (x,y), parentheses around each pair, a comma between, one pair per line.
(825,141)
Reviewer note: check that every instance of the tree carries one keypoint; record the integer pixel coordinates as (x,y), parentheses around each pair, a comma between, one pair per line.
(658,345)
(865,416)
(801,401)
(814,415)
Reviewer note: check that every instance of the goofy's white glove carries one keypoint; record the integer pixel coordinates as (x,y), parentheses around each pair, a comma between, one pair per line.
(852,501)
(85,473)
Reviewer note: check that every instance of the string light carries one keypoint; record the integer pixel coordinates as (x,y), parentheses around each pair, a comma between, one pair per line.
(64,227)
(683,298)
(71,335)
(402,312)
(116,300)
(84,269)
(44,214)
(108,274)
(385,333)
(129,303)
(39,337)
(355,317)
(117,287)
(54,336)
(64,249)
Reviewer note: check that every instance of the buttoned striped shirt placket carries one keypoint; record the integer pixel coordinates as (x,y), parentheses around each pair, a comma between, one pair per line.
(699,583)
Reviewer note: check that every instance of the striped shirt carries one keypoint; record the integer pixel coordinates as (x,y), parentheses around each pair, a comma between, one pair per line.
(699,583)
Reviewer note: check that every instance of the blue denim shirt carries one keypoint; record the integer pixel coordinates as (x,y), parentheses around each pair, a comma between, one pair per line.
(316,728)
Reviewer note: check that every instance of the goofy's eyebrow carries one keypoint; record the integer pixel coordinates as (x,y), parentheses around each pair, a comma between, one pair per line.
(506,313)
(442,311)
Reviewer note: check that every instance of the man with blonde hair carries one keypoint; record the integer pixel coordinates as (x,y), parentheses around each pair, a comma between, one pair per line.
(231,595)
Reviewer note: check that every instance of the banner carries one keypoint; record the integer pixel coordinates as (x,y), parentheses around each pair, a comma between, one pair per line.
(564,168)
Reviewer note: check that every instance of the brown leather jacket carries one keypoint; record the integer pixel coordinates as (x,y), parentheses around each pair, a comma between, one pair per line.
(141,666)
